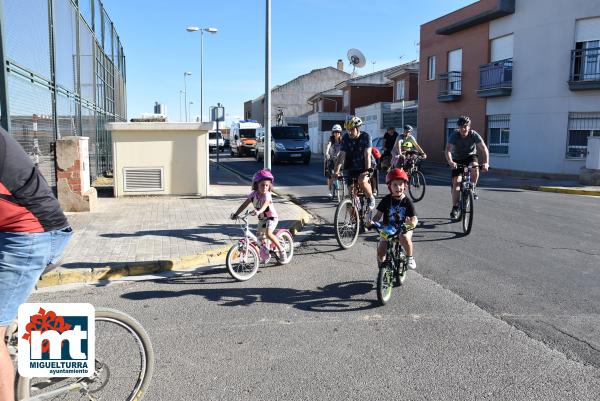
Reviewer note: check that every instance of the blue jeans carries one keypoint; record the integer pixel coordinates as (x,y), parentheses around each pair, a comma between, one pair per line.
(23,258)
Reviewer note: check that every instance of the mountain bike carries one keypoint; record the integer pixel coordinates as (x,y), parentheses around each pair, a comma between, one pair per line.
(244,258)
(351,214)
(124,364)
(466,200)
(393,271)
(416,179)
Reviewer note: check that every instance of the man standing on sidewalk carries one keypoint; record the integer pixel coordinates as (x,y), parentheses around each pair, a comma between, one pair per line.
(33,234)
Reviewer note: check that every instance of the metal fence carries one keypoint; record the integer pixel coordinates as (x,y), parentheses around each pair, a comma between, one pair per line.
(450,83)
(496,75)
(585,64)
(63,74)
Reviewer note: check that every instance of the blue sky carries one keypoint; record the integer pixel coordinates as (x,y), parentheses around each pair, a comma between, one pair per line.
(305,35)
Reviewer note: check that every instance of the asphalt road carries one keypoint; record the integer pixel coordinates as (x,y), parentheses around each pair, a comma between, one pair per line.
(507,313)
(532,259)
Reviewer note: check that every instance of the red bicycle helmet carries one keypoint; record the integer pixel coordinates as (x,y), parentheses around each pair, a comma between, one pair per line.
(396,174)
(261,175)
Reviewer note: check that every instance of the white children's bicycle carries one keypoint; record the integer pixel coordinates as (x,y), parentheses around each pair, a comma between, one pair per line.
(244,258)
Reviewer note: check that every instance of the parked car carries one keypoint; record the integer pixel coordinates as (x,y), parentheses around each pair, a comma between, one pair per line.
(212,141)
(288,143)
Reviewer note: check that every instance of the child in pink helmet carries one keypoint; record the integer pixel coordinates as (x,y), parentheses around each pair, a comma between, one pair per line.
(262,200)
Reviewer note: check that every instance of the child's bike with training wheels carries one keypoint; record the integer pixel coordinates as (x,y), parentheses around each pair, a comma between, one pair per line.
(393,271)
(244,258)
(123,368)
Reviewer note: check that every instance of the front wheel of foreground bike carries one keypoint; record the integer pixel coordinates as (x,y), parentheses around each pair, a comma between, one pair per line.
(385,283)
(467,212)
(346,223)
(416,186)
(123,367)
(242,262)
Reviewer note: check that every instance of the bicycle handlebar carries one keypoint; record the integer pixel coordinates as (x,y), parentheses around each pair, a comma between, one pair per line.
(403,229)
(243,217)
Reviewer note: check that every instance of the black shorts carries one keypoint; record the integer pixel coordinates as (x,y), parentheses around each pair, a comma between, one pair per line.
(352,175)
(471,159)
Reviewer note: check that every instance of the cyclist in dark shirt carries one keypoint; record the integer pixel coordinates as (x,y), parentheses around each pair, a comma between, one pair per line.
(463,146)
(356,157)
(33,233)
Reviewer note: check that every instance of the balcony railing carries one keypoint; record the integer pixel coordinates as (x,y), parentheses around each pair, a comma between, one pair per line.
(495,79)
(585,69)
(450,86)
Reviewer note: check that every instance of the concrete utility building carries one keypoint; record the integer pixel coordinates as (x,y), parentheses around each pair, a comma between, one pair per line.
(527,72)
(63,75)
(292,97)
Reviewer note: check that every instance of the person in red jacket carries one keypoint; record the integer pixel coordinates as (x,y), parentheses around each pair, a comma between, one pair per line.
(33,234)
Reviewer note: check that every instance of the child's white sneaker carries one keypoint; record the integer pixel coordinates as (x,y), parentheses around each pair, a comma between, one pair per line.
(411,263)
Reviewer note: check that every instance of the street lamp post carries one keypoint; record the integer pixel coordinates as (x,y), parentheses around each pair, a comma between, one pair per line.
(180,93)
(202,30)
(185,75)
(190,108)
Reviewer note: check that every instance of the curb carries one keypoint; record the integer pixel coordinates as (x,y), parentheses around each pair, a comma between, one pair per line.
(211,257)
(562,190)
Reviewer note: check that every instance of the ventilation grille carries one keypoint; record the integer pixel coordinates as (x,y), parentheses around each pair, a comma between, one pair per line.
(143,179)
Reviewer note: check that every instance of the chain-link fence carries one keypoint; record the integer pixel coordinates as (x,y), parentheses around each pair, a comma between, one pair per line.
(63,74)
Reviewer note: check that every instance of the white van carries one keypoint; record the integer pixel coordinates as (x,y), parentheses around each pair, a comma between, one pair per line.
(212,141)
(242,137)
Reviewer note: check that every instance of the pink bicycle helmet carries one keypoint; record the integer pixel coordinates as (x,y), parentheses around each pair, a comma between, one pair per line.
(261,175)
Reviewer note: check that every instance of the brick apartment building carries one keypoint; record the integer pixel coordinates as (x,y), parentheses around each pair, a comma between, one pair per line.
(526,71)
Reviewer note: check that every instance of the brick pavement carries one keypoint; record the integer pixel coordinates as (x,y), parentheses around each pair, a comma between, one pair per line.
(137,235)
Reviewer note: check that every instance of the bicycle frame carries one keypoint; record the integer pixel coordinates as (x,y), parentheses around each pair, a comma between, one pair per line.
(250,239)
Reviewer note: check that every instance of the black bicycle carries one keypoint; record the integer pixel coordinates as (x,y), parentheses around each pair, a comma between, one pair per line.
(393,271)
(416,179)
(466,199)
(351,214)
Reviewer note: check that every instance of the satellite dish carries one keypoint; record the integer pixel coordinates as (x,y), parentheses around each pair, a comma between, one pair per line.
(356,58)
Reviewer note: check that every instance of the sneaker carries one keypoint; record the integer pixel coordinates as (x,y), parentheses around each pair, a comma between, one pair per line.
(330,194)
(371,203)
(475,196)
(411,263)
(454,213)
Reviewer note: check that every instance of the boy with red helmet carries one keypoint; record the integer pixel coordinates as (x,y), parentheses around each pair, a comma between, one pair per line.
(397,209)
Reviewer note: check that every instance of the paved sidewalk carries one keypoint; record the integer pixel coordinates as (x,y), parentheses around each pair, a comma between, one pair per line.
(144,235)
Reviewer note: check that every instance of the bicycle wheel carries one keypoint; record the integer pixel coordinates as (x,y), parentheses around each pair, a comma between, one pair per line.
(416,186)
(124,365)
(242,263)
(467,212)
(401,274)
(346,223)
(385,283)
(287,242)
